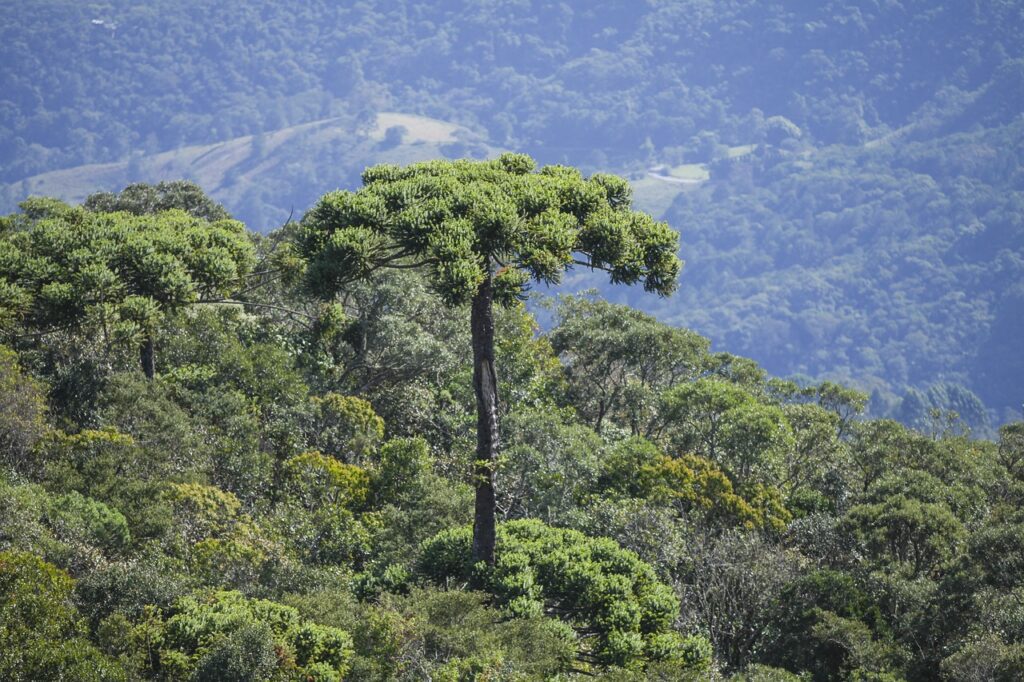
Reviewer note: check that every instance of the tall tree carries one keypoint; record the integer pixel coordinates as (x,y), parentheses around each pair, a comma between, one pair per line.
(482,230)
(144,199)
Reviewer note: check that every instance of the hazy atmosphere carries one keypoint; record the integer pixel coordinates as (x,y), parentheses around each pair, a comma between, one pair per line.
(846,178)
(751,274)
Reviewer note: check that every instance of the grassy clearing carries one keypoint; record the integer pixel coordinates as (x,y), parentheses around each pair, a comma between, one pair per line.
(655,196)
(224,168)
(691,171)
(741,150)
(418,128)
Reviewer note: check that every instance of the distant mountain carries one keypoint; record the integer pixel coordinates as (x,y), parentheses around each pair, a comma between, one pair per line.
(845,175)
(265,177)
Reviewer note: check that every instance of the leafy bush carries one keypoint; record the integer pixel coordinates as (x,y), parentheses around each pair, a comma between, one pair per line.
(223,635)
(315,479)
(346,427)
(40,634)
(606,593)
(456,635)
(243,655)
(77,517)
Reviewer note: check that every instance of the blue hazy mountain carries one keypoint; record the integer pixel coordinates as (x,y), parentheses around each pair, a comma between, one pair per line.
(846,175)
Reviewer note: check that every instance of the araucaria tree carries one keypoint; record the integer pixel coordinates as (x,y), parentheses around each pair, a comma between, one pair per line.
(482,230)
(116,275)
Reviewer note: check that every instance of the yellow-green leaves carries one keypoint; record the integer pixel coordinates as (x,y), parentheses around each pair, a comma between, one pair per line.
(345,427)
(315,479)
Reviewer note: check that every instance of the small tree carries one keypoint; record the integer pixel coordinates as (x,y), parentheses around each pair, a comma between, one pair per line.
(482,230)
(120,273)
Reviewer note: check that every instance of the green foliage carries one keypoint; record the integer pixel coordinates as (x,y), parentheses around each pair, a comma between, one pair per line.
(402,466)
(36,597)
(406,522)
(245,654)
(985,657)
(326,535)
(456,217)
(315,479)
(997,551)
(865,658)
(548,463)
(800,609)
(764,673)
(1011,448)
(119,272)
(346,427)
(729,426)
(131,590)
(254,402)
(691,484)
(22,411)
(592,584)
(79,517)
(223,635)
(919,535)
(454,635)
(618,361)
(201,510)
(40,636)
(818,447)
(793,532)
(143,199)
(530,371)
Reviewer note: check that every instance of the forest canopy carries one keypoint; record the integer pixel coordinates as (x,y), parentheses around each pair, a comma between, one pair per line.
(289,495)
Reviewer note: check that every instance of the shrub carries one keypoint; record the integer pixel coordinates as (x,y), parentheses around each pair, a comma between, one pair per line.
(603,591)
(315,479)
(225,636)
(346,427)
(40,633)
(82,518)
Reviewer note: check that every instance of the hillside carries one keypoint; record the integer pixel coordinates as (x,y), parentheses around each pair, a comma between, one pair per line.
(260,178)
(813,155)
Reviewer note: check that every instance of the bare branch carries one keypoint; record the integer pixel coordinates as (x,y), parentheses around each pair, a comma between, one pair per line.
(591,265)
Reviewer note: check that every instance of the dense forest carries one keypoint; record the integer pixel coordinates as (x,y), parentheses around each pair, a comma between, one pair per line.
(846,177)
(92,82)
(225,457)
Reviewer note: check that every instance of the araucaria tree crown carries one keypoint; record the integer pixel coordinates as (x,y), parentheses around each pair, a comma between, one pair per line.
(467,221)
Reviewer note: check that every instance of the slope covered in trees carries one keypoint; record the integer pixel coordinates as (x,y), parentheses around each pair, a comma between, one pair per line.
(558,80)
(873,146)
(289,496)
(818,264)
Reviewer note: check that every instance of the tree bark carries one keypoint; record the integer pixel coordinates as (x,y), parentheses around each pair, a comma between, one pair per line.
(147,354)
(485,385)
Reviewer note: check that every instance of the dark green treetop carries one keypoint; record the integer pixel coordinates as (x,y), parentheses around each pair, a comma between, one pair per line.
(144,199)
(60,265)
(464,220)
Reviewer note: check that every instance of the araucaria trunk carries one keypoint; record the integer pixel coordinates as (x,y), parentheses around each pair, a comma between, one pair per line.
(147,354)
(485,385)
